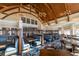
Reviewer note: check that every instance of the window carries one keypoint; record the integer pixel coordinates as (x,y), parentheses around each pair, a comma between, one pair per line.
(28,21)
(13,31)
(5,31)
(32,21)
(23,19)
(35,22)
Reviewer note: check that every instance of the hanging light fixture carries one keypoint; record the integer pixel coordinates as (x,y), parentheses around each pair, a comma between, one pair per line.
(67,12)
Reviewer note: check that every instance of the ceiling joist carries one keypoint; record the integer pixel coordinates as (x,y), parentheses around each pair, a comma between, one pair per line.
(67,12)
(16,13)
(48,11)
(53,11)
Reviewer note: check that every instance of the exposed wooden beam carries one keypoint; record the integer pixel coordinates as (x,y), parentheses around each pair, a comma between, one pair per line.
(67,12)
(19,43)
(53,11)
(19,12)
(19,8)
(28,9)
(49,9)
(46,11)
(4,13)
(45,19)
(8,9)
(24,7)
(34,7)
(3,5)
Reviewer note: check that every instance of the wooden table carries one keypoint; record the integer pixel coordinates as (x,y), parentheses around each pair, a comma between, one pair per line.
(53,52)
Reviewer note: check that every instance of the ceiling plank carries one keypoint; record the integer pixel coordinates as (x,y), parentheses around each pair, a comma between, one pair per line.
(45,19)
(48,8)
(28,9)
(53,11)
(4,13)
(8,9)
(67,12)
(37,11)
(19,12)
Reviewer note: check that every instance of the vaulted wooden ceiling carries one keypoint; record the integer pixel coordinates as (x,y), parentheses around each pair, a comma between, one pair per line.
(46,11)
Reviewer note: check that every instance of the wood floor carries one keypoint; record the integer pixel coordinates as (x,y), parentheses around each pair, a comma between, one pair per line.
(52,52)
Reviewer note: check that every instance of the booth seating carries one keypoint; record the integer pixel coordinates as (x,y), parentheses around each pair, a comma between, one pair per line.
(57,44)
(53,41)
(10,51)
(34,51)
(13,50)
(2,50)
(3,44)
(56,40)
(37,39)
(47,38)
(3,40)
(35,48)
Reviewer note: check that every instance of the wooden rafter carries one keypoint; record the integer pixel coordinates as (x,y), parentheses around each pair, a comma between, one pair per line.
(49,7)
(14,7)
(5,8)
(46,17)
(46,12)
(4,13)
(32,7)
(8,9)
(21,12)
(28,9)
(67,12)
(19,8)
(18,12)
(37,12)
(53,11)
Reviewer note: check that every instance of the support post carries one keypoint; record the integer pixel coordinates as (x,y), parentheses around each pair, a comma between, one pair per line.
(42,39)
(20,35)
(19,43)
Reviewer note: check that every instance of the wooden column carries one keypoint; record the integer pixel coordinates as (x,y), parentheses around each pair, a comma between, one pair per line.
(42,39)
(62,38)
(62,30)
(20,36)
(73,29)
(19,43)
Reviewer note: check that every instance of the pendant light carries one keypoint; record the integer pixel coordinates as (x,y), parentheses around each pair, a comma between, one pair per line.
(67,12)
